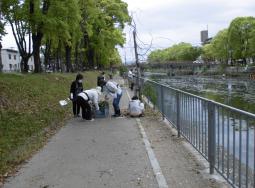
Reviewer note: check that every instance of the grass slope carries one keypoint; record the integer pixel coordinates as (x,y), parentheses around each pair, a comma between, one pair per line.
(30,113)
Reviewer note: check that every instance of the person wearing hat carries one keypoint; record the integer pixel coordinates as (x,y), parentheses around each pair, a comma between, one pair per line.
(84,98)
(76,88)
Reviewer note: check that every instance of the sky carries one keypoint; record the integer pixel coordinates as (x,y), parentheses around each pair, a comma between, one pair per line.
(167,22)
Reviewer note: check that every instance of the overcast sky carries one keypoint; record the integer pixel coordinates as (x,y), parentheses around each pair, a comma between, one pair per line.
(171,21)
(166,22)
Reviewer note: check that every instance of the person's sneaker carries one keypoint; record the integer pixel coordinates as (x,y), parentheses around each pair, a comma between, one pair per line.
(92,119)
(116,115)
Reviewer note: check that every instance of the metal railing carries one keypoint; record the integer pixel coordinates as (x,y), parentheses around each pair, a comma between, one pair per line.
(223,135)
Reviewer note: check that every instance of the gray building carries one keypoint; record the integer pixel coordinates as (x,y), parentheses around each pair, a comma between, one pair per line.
(204,36)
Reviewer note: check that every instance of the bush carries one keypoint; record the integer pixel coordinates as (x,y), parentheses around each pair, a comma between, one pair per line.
(123,70)
(150,93)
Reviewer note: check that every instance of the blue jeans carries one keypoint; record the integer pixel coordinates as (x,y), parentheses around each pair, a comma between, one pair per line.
(116,104)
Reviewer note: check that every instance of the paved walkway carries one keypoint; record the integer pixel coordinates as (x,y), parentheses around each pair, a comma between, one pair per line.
(104,153)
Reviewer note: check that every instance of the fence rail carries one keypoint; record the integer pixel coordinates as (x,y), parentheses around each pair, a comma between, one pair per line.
(223,135)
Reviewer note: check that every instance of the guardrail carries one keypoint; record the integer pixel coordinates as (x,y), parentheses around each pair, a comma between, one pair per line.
(223,135)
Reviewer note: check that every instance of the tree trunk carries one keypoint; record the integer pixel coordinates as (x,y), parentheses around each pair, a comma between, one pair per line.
(244,61)
(68,58)
(1,63)
(90,51)
(90,57)
(24,64)
(58,58)
(76,57)
(37,40)
(47,53)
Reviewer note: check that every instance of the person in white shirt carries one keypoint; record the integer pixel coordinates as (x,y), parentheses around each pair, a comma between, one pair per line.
(85,97)
(130,74)
(136,107)
(113,89)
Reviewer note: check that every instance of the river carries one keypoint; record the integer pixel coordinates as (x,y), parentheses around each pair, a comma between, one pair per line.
(239,93)
(235,92)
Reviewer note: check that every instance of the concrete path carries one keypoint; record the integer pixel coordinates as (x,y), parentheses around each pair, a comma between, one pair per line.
(112,153)
(104,153)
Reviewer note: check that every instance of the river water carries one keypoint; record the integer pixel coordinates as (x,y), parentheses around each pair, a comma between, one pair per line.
(235,92)
(239,93)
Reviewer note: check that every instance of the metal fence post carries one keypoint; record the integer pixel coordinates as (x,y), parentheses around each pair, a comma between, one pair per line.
(162,101)
(178,114)
(211,136)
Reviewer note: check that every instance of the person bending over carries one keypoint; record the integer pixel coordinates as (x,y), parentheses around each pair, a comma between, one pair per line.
(113,89)
(84,99)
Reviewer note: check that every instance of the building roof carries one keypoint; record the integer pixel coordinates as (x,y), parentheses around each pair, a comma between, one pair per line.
(11,50)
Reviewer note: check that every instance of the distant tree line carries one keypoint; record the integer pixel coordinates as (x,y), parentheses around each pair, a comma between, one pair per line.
(229,46)
(69,33)
(236,43)
(178,52)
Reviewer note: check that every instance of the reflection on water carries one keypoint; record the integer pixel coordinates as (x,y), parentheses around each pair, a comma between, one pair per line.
(238,93)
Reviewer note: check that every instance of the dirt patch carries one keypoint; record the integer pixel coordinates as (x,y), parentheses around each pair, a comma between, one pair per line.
(179,166)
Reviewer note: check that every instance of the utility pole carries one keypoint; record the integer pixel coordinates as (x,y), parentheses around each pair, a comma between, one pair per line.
(1,63)
(125,58)
(137,89)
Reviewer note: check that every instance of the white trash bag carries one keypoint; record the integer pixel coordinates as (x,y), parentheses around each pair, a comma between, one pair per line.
(64,102)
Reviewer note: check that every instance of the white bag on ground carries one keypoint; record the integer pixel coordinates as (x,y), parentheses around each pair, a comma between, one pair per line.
(64,102)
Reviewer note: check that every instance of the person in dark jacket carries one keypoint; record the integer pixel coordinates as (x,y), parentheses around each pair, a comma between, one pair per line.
(76,88)
(101,80)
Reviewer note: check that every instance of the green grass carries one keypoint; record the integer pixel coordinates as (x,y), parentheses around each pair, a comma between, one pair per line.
(30,113)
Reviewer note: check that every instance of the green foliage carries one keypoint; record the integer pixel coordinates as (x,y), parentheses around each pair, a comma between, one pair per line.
(179,52)
(29,111)
(150,93)
(208,52)
(235,42)
(104,22)
(218,48)
(123,69)
(90,29)
(62,23)
(240,33)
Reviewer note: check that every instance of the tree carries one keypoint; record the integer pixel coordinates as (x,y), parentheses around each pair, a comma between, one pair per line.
(240,32)
(13,11)
(103,22)
(84,30)
(208,52)
(47,15)
(220,46)
(252,44)
(2,33)
(178,52)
